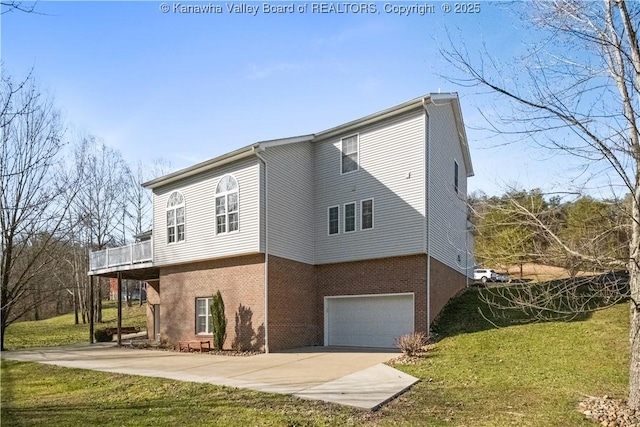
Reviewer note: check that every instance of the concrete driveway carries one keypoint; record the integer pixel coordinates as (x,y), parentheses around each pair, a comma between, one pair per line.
(347,376)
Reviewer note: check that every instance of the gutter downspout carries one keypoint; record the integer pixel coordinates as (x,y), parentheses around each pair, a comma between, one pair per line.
(257,151)
(427,207)
(466,256)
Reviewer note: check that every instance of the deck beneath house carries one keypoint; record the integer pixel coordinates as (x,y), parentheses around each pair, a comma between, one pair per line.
(133,261)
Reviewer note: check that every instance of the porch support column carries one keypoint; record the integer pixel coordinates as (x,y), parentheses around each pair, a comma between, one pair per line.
(119,308)
(91,310)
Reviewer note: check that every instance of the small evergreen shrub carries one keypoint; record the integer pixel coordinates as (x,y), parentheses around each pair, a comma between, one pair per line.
(101,335)
(411,344)
(218,321)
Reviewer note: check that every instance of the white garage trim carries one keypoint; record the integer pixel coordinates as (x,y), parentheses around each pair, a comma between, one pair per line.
(405,325)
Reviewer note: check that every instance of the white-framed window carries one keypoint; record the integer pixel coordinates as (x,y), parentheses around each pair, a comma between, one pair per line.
(203,316)
(175,218)
(350,149)
(366,214)
(455,175)
(349,217)
(227,205)
(333,217)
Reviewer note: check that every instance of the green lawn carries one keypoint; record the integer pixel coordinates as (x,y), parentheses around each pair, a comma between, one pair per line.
(526,374)
(61,330)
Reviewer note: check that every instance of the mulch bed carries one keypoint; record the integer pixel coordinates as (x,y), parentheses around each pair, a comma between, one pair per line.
(145,344)
(234,353)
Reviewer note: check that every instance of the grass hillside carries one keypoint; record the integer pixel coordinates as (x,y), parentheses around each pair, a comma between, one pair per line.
(522,374)
(61,330)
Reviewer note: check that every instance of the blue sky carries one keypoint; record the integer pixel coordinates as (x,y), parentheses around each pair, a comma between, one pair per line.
(188,86)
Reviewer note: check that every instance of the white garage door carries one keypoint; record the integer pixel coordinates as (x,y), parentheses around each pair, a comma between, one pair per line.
(368,320)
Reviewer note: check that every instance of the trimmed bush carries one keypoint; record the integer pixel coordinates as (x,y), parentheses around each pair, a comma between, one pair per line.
(218,321)
(101,335)
(412,343)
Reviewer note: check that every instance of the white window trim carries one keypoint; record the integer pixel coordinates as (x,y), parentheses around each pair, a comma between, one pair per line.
(355,217)
(175,218)
(208,299)
(357,135)
(225,194)
(329,220)
(373,214)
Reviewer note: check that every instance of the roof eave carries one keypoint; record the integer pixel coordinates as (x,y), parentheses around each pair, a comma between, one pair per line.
(372,118)
(202,167)
(463,139)
(462,133)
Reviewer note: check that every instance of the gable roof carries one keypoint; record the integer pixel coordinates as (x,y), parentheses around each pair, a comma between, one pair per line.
(250,150)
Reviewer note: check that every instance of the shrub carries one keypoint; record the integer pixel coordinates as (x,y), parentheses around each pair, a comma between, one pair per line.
(101,335)
(218,321)
(412,343)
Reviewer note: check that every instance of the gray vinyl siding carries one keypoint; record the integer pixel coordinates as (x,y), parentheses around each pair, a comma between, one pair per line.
(290,201)
(449,237)
(391,172)
(201,241)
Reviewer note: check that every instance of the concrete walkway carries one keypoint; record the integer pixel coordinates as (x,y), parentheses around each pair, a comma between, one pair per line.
(347,376)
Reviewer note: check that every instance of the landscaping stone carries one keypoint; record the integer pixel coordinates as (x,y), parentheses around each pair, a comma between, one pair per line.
(609,412)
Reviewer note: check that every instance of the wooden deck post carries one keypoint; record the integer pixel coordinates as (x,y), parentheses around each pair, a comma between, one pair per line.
(92,310)
(119,308)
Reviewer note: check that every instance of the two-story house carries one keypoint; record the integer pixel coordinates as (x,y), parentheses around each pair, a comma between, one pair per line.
(347,237)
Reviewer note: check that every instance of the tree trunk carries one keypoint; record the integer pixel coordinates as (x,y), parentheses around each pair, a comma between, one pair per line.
(99,302)
(634,290)
(4,291)
(634,362)
(520,270)
(75,308)
(2,329)
(36,303)
(129,291)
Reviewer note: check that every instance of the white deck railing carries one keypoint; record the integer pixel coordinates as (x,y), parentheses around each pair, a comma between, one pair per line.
(134,253)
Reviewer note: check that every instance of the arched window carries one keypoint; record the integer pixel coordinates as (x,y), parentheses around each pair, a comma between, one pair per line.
(175,218)
(227,205)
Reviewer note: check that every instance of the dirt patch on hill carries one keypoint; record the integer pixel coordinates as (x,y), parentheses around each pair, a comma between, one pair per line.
(540,272)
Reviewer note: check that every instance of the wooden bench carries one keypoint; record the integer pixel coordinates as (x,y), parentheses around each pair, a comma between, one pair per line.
(123,330)
(193,345)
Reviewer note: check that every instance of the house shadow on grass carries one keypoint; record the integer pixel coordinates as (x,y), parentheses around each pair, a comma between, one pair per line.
(496,306)
(246,338)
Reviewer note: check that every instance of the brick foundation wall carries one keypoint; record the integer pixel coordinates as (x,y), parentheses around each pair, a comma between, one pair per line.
(445,283)
(296,295)
(390,275)
(292,304)
(153,297)
(378,276)
(241,283)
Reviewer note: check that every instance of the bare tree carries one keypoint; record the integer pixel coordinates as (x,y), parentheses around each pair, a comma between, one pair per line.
(17,6)
(140,208)
(140,199)
(31,202)
(578,92)
(576,234)
(100,205)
